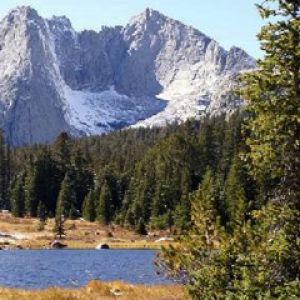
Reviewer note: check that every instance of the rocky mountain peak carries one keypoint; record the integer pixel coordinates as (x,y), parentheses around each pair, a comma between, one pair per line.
(153,71)
(23,10)
(148,15)
(238,60)
(21,14)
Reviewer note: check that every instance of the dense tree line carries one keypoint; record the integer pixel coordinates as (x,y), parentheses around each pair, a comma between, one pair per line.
(137,177)
(5,174)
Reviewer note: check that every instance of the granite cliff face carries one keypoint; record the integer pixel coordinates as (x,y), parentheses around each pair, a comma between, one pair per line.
(153,71)
(31,105)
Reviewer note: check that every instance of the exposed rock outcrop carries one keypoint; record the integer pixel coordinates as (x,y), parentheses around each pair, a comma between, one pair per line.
(153,71)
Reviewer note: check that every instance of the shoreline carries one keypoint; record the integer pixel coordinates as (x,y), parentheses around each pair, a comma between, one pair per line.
(69,245)
(83,249)
(23,233)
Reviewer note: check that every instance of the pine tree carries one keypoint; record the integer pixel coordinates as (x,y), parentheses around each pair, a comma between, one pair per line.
(43,180)
(182,214)
(193,259)
(59,228)
(65,201)
(104,209)
(17,197)
(126,214)
(83,178)
(273,94)
(61,148)
(67,196)
(204,208)
(232,143)
(4,172)
(129,219)
(235,200)
(143,199)
(89,209)
(277,253)
(42,215)
(159,212)
(31,192)
(141,227)
(211,141)
(144,188)
(159,201)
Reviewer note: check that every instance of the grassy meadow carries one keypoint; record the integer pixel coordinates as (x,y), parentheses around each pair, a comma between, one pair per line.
(99,290)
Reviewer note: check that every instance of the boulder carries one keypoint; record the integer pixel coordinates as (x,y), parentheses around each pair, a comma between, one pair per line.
(57,245)
(165,239)
(102,246)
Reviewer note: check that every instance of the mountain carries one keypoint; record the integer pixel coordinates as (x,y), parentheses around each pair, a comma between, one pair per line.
(153,71)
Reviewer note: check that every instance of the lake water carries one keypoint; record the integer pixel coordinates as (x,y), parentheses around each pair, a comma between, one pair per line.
(36,269)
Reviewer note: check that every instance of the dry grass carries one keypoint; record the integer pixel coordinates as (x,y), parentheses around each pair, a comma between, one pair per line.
(99,290)
(80,234)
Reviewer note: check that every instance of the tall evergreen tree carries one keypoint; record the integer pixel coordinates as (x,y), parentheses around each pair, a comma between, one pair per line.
(59,229)
(17,197)
(204,207)
(192,259)
(83,178)
(67,195)
(89,207)
(143,199)
(104,209)
(159,201)
(182,213)
(141,227)
(273,95)
(42,215)
(31,192)
(42,183)
(4,172)
(126,214)
(62,151)
(64,205)
(235,199)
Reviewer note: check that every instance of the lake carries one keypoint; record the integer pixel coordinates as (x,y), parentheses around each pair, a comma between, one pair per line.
(37,269)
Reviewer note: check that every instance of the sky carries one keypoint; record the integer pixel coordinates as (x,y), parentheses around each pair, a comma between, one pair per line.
(230,22)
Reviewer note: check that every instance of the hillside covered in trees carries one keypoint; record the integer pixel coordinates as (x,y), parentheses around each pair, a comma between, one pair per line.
(135,177)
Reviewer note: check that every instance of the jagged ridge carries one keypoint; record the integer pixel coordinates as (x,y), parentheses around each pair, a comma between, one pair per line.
(153,71)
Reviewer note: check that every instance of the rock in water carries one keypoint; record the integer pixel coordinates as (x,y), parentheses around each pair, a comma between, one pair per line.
(102,246)
(57,245)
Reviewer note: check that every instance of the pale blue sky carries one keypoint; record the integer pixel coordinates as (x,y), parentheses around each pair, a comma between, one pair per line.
(230,22)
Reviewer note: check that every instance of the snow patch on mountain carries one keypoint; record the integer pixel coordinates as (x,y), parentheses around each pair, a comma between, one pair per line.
(97,113)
